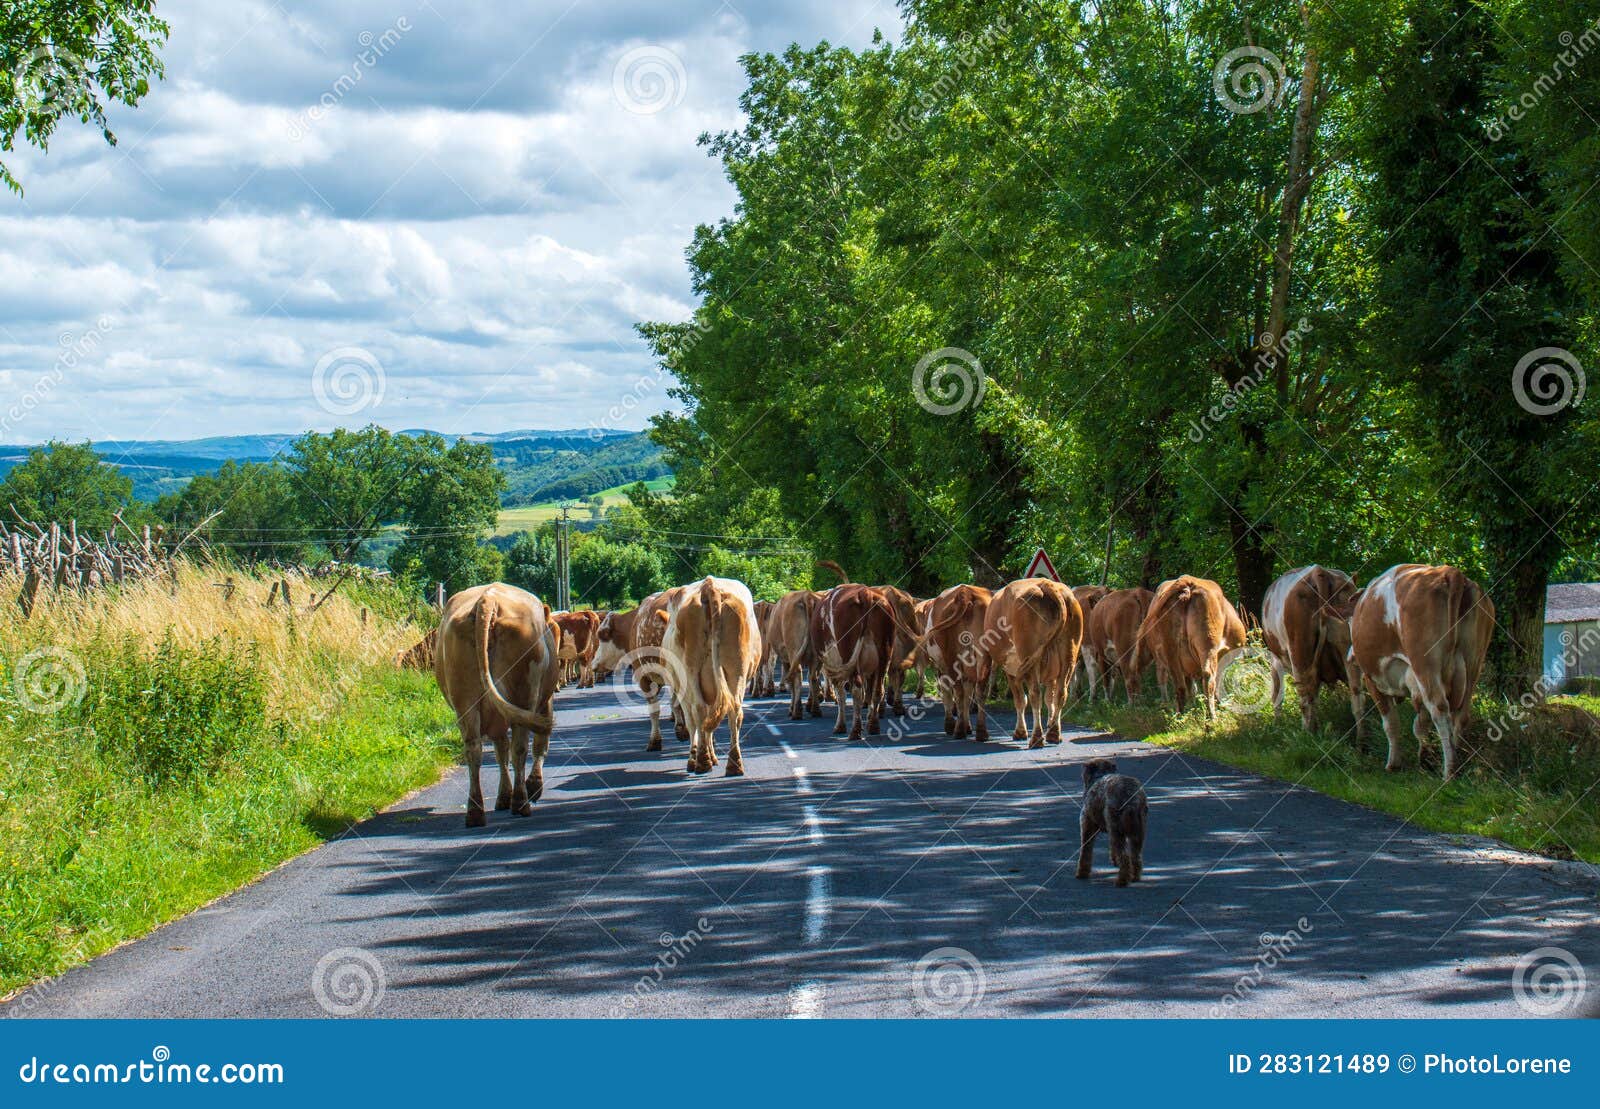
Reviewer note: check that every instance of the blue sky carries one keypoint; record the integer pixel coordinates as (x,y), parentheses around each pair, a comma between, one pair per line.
(443,215)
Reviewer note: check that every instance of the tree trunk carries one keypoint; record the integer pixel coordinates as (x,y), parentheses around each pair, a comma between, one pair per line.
(1252,563)
(1516,653)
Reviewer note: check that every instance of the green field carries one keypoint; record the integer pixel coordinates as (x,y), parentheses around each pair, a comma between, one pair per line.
(526,517)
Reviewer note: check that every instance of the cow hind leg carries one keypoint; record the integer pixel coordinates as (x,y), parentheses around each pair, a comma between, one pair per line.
(541,748)
(1391,728)
(735,755)
(653,697)
(981,728)
(502,758)
(1019,705)
(520,805)
(472,750)
(838,707)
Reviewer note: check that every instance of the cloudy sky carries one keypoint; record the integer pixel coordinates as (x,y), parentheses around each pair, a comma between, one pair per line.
(444,215)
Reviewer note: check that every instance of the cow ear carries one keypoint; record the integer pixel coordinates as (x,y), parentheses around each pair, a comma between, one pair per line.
(662,616)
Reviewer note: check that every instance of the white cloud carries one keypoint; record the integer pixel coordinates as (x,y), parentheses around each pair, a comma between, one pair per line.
(478,209)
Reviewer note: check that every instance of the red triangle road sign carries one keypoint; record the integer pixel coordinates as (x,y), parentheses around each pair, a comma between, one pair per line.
(1040,566)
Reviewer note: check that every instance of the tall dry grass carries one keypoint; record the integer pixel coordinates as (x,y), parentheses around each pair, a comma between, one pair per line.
(160,745)
(292,643)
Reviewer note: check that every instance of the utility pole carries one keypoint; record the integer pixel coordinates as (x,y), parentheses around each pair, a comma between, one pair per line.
(563,578)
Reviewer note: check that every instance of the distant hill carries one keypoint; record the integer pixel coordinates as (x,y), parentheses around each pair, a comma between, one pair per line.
(540,465)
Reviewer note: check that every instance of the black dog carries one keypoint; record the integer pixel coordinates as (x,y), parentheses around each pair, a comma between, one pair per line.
(1113,803)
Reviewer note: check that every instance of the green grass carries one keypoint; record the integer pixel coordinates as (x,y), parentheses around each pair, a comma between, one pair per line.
(119,855)
(190,761)
(1534,789)
(529,516)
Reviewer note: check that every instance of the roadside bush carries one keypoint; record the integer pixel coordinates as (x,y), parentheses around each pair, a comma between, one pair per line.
(174,713)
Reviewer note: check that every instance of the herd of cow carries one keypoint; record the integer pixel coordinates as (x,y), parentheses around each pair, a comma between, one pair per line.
(499,654)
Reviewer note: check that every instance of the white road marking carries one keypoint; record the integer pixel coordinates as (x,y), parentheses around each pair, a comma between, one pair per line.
(805,999)
(773,728)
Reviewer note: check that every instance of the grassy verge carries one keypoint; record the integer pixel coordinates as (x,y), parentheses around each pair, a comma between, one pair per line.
(157,751)
(1534,788)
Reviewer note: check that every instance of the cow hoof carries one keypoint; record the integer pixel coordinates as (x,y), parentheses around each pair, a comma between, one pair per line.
(982,737)
(838,731)
(501,803)
(654,744)
(535,789)
(476,818)
(873,729)
(1053,735)
(1083,874)
(855,735)
(1035,744)
(1394,767)
(1019,734)
(949,727)
(735,770)
(524,809)
(699,767)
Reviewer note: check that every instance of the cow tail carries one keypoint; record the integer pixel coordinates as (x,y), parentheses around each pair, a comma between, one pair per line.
(484,615)
(1052,609)
(829,564)
(711,607)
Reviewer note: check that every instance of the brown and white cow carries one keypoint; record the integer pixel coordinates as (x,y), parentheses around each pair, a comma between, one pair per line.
(791,642)
(1032,630)
(904,655)
(496,664)
(613,642)
(1422,632)
(1083,678)
(651,671)
(712,646)
(852,635)
(1111,640)
(1305,620)
(953,641)
(1189,627)
(577,649)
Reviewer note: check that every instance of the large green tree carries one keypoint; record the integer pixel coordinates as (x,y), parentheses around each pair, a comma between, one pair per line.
(65,482)
(72,59)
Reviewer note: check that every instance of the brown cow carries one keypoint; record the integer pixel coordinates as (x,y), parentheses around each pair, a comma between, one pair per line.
(713,647)
(1032,630)
(650,670)
(496,665)
(919,657)
(953,641)
(613,641)
(791,642)
(1110,642)
(763,684)
(1189,626)
(852,635)
(578,645)
(1422,632)
(904,654)
(1305,620)
(418,656)
(1087,596)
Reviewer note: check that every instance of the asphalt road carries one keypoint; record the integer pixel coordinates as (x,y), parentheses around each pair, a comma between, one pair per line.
(908,875)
